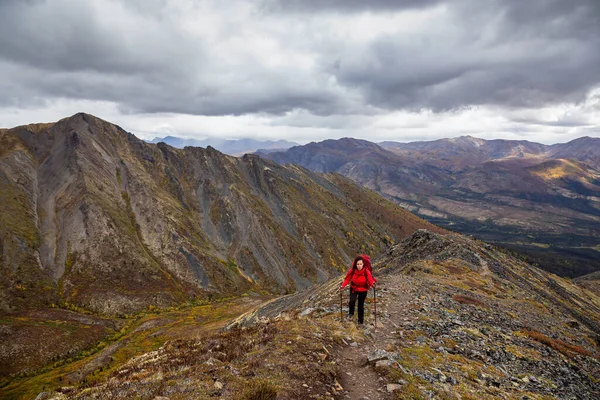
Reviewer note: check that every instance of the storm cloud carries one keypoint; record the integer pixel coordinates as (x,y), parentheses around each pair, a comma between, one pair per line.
(287,59)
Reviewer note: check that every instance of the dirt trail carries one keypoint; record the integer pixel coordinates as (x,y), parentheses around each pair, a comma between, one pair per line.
(359,379)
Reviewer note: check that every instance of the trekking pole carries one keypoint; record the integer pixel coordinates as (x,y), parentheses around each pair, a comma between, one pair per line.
(375,305)
(341,311)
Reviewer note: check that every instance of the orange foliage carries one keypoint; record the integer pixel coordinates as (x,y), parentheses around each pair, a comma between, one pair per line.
(565,348)
(468,300)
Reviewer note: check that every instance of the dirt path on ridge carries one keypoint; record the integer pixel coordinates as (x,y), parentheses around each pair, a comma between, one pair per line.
(359,379)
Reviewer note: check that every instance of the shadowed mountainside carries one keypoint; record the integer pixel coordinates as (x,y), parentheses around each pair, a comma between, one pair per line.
(543,201)
(457,318)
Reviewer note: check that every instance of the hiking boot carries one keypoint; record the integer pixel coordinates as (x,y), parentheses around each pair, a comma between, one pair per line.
(349,317)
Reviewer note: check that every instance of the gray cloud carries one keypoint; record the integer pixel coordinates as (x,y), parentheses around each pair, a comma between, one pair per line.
(275,56)
(516,54)
(73,36)
(312,6)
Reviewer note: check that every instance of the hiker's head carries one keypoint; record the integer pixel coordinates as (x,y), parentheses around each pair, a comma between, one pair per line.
(358,263)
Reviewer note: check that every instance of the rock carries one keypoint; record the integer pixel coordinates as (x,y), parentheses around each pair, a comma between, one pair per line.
(161,398)
(393,386)
(212,361)
(218,385)
(353,344)
(380,354)
(383,363)
(307,311)
(42,396)
(337,386)
(440,375)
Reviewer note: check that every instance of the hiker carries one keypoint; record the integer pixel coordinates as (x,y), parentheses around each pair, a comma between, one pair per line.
(361,280)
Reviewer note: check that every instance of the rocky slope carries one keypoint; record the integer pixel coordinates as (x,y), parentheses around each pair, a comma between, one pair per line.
(590,281)
(540,200)
(456,319)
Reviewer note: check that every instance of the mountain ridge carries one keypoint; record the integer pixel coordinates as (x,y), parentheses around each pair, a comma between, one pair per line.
(236,147)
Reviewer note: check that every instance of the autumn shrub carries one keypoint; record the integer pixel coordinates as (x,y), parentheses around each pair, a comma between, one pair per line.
(260,389)
(462,299)
(565,348)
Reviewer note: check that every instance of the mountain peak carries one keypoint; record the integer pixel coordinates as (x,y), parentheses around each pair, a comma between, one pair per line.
(469,140)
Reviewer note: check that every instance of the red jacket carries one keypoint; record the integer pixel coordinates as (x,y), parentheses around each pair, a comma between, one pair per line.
(360,281)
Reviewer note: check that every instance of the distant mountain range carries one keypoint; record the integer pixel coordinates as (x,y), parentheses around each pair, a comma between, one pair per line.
(543,200)
(231,147)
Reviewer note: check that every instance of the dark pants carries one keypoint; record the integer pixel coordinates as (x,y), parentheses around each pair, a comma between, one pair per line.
(361,304)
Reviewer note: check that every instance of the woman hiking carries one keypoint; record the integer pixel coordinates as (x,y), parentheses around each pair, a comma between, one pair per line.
(361,281)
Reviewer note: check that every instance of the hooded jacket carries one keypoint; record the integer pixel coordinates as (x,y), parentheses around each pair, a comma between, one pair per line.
(360,281)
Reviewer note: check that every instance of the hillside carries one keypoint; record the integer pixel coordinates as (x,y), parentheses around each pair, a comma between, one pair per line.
(543,201)
(98,227)
(590,281)
(456,318)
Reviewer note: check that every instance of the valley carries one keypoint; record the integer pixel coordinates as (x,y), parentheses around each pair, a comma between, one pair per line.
(540,200)
(83,348)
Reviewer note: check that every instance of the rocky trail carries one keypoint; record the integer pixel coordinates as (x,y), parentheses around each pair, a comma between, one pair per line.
(357,376)
(428,343)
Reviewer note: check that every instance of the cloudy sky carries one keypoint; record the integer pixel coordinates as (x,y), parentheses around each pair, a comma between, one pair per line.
(307,70)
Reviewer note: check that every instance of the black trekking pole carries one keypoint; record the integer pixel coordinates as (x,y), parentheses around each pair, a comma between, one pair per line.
(375,305)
